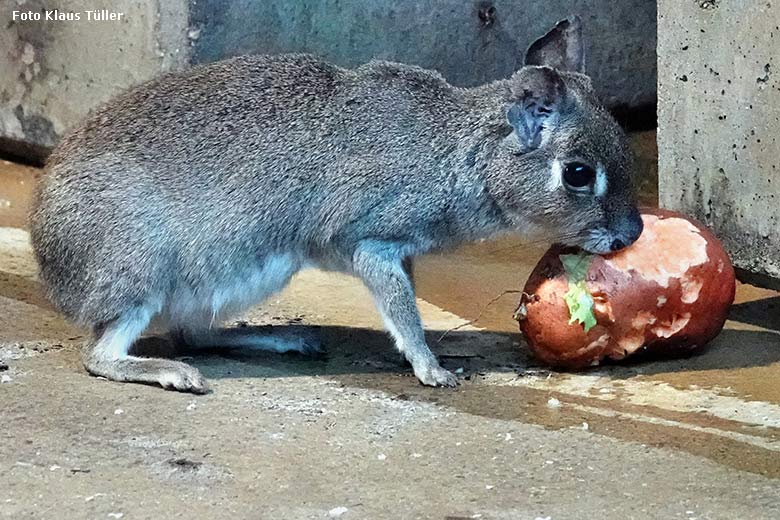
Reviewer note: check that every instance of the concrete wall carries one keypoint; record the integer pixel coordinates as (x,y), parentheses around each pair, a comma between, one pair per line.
(55,71)
(719,122)
(469,42)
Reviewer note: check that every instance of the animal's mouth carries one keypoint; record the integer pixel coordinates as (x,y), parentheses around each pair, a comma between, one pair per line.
(596,250)
(603,241)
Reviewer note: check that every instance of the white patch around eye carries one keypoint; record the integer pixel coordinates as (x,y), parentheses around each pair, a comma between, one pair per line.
(556,176)
(600,189)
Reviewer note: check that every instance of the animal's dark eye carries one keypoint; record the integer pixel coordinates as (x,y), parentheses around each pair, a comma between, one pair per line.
(578,176)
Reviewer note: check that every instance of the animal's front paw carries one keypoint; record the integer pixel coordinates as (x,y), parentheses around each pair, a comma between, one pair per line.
(435,375)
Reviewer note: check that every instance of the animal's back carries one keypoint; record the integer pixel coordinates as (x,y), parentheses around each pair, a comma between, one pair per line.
(187,178)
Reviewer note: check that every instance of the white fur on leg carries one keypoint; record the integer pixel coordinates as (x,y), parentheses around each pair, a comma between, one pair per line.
(108,357)
(119,336)
(247,339)
(207,305)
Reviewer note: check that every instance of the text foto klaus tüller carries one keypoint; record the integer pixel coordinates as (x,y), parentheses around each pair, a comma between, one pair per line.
(97,15)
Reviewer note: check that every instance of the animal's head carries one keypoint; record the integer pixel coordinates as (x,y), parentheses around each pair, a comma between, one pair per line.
(574,159)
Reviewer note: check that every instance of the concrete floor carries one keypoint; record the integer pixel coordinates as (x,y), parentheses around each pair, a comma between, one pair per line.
(354,435)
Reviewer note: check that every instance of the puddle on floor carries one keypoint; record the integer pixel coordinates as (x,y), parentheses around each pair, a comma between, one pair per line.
(726,443)
(709,404)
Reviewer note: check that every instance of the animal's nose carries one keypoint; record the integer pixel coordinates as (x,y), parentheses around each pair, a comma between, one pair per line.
(637,228)
(617,245)
(631,231)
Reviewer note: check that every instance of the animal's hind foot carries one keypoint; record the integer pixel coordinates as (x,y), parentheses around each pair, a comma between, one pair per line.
(169,374)
(107,357)
(307,343)
(183,378)
(266,339)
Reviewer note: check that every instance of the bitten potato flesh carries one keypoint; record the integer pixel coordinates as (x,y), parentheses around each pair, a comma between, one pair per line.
(669,292)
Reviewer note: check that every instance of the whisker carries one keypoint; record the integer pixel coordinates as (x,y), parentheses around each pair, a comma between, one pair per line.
(530,243)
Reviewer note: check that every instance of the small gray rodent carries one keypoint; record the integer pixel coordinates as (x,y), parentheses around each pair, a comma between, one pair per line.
(201,193)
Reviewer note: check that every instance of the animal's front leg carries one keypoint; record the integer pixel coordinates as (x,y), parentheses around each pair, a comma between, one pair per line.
(379,265)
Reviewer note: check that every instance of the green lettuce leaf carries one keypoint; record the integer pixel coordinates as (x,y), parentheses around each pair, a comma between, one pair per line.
(576,266)
(578,298)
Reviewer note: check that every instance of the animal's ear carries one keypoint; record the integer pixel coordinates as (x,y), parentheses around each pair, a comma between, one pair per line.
(561,48)
(537,97)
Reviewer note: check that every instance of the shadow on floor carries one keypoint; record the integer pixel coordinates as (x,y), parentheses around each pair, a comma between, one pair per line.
(359,351)
(364,358)
(763,313)
(732,349)
(347,350)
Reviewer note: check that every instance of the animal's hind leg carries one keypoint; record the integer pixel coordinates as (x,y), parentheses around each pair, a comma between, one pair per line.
(196,331)
(107,356)
(255,338)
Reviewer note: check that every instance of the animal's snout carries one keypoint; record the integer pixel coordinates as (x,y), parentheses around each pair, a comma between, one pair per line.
(629,233)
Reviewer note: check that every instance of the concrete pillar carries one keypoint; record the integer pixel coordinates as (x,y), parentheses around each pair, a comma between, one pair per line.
(719,124)
(54,71)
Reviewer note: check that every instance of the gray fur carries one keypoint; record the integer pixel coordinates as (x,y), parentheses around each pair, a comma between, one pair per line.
(200,193)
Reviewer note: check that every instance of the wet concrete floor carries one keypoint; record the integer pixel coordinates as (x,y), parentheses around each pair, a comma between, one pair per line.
(352,435)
